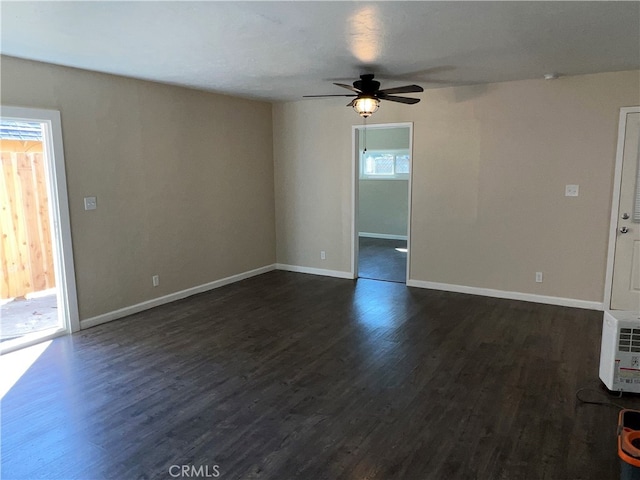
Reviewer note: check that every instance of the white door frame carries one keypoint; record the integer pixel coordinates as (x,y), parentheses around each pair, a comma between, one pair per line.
(355,177)
(59,212)
(615,203)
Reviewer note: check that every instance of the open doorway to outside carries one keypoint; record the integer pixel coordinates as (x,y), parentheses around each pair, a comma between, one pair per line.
(37,282)
(382,171)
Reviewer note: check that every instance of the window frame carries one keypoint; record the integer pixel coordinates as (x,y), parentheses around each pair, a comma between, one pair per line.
(396,152)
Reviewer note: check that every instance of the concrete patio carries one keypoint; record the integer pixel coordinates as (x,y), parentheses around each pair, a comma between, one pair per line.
(22,316)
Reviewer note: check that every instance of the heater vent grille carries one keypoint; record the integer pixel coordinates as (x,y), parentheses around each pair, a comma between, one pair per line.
(629,340)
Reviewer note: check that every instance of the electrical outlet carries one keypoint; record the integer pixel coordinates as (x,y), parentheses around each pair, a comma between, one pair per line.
(538,277)
(155,280)
(323,255)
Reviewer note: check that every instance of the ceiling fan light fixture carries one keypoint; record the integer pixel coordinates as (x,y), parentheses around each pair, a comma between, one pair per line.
(366,106)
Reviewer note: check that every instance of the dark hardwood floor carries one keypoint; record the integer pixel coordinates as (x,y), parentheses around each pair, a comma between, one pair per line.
(378,259)
(288,375)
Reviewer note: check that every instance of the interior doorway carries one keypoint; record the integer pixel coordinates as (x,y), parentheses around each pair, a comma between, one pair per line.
(37,281)
(382,191)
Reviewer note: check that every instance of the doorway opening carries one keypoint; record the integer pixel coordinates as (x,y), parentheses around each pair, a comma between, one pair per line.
(382,191)
(37,280)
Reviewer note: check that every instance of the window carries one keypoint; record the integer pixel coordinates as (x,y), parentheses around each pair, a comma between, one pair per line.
(384,164)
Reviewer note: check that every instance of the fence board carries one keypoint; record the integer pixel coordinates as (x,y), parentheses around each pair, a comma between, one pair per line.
(6,223)
(43,220)
(30,210)
(27,252)
(13,230)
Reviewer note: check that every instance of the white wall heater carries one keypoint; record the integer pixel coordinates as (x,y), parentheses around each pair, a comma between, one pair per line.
(620,351)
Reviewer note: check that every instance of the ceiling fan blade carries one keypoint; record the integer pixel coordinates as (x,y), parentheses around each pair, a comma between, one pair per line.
(407,100)
(405,89)
(316,96)
(350,104)
(348,87)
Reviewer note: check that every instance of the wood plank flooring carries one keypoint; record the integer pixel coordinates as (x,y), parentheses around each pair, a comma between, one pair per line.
(378,259)
(287,376)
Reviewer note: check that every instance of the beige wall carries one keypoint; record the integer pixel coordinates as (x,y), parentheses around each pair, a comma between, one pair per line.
(184,181)
(384,138)
(490,165)
(383,206)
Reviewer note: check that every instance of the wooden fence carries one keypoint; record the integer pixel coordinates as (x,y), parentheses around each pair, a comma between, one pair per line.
(25,243)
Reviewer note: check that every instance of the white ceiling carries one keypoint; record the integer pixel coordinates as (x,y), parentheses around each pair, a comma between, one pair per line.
(283,50)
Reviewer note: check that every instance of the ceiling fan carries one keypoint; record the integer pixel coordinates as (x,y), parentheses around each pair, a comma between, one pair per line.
(368,94)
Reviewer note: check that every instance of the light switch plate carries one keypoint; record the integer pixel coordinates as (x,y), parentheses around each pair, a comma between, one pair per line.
(571,190)
(90,203)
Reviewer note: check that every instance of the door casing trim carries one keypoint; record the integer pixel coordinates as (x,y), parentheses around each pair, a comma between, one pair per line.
(355,167)
(59,205)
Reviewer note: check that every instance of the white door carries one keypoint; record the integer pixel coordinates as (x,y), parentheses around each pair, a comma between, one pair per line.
(625,285)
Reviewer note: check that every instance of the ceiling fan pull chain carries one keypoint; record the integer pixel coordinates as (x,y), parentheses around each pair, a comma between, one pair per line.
(365,135)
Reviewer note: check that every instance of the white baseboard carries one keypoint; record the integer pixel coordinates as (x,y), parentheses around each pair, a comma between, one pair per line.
(382,235)
(314,271)
(526,297)
(172,297)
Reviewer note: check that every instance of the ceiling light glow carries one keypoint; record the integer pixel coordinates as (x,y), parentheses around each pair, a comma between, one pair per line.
(366,106)
(365,34)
